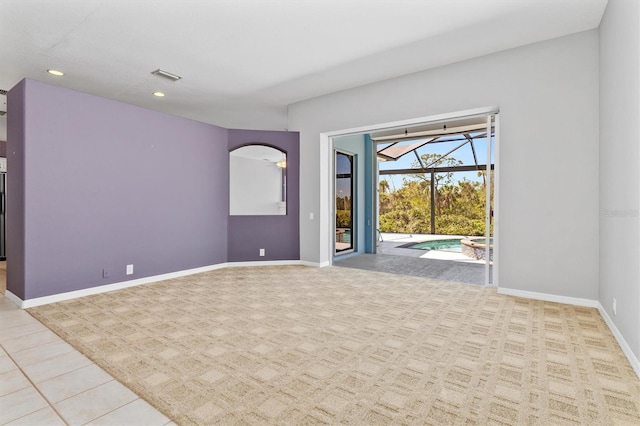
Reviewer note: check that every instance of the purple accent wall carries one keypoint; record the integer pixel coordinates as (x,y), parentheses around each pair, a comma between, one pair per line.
(15,191)
(278,235)
(107,184)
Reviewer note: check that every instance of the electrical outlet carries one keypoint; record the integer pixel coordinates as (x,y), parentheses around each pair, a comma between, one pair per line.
(105,273)
(615,307)
(310,216)
(129,269)
(261,252)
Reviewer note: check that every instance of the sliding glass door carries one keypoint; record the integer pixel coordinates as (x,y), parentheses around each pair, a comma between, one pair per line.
(489,258)
(344,202)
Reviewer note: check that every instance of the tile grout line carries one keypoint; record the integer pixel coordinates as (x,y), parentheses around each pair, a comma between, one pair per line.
(72,396)
(51,405)
(117,408)
(33,385)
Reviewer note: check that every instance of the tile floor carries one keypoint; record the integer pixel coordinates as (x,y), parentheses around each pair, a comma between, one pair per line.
(44,381)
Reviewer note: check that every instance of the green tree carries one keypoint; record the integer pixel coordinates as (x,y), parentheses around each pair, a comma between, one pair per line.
(459,205)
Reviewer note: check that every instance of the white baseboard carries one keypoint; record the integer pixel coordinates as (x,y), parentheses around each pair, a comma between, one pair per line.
(38,301)
(548,297)
(30,303)
(626,349)
(314,264)
(263,263)
(633,359)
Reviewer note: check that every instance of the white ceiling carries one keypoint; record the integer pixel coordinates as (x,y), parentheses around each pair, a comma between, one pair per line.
(244,59)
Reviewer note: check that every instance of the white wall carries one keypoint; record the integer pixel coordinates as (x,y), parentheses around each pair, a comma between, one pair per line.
(255,187)
(619,165)
(548,99)
(354,144)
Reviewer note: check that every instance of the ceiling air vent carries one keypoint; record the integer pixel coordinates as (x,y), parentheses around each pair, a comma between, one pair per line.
(165,74)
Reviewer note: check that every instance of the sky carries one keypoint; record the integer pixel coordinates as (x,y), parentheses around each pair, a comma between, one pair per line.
(464,154)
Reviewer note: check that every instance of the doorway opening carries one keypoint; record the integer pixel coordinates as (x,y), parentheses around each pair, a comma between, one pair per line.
(429,199)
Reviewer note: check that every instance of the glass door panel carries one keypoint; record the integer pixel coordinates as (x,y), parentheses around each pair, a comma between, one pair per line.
(344,191)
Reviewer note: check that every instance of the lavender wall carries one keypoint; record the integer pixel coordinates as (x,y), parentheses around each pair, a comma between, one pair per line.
(15,191)
(278,235)
(108,184)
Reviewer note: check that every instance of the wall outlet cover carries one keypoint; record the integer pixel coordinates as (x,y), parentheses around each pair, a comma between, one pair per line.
(129,269)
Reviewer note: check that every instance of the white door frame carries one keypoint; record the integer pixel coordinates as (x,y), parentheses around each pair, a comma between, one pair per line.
(327,172)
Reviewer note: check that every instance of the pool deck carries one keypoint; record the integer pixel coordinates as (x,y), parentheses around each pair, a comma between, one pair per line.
(433,264)
(390,245)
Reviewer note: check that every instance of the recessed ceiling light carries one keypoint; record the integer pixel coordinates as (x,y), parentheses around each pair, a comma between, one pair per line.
(158,94)
(55,72)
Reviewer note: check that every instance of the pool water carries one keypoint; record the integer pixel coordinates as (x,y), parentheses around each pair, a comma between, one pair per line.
(442,245)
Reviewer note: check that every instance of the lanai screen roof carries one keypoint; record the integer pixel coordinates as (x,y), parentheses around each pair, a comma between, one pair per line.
(465,130)
(393,152)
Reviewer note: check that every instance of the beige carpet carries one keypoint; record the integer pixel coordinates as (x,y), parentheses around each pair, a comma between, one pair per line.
(298,345)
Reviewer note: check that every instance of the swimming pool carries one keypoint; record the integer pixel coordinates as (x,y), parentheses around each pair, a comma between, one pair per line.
(471,247)
(442,245)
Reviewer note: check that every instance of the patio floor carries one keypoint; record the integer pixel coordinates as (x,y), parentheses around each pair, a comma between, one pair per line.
(434,264)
